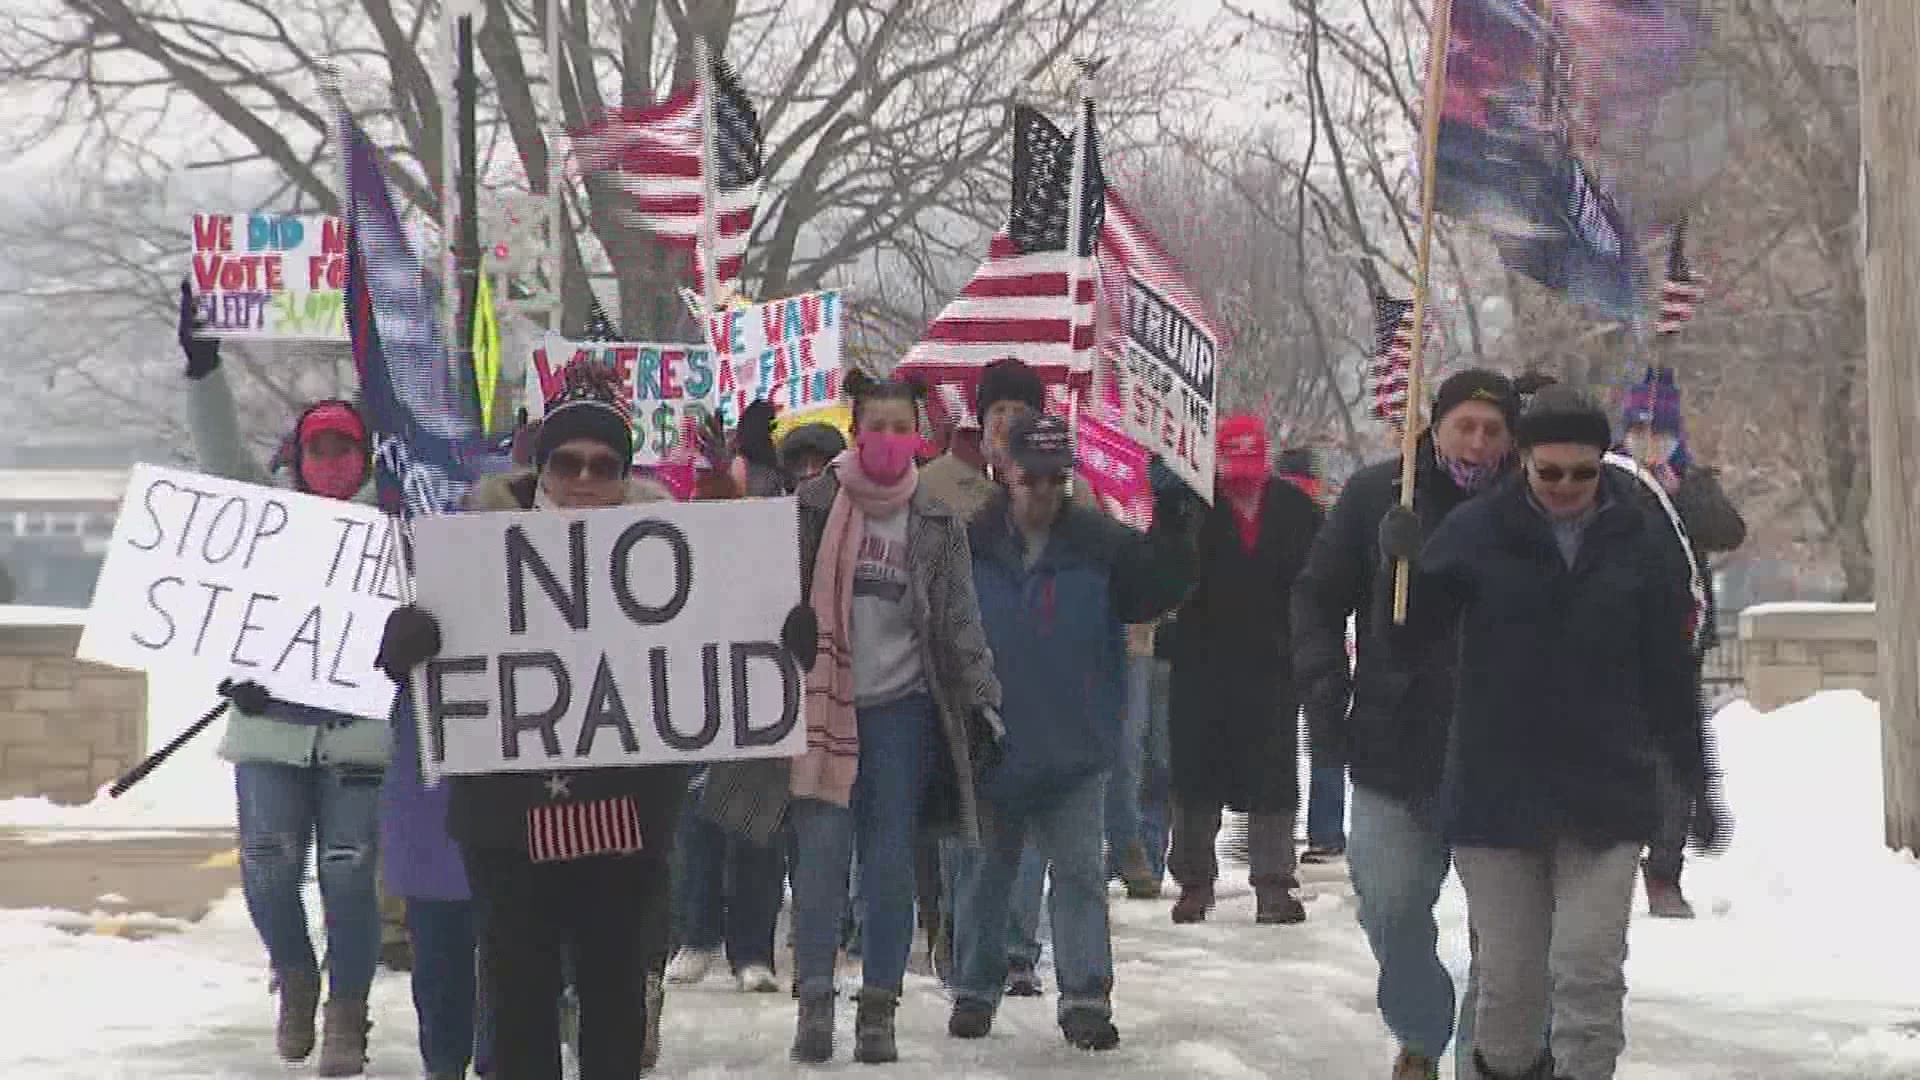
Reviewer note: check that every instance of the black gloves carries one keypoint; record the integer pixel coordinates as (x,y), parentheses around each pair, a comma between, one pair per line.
(249,697)
(202,353)
(1710,829)
(412,637)
(800,635)
(1400,534)
(985,736)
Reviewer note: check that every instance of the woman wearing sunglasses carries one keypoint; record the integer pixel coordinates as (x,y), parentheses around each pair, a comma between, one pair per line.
(1574,676)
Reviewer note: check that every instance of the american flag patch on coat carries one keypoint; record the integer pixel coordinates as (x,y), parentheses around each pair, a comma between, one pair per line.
(575,830)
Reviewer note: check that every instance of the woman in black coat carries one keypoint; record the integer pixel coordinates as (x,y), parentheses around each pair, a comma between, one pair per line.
(1235,730)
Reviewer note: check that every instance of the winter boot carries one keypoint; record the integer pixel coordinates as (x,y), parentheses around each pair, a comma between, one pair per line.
(1666,901)
(1141,882)
(656,1001)
(1276,905)
(1412,1066)
(873,1042)
(1194,903)
(1317,854)
(1022,980)
(970,1019)
(1089,1029)
(299,1001)
(1540,1070)
(813,1030)
(343,1038)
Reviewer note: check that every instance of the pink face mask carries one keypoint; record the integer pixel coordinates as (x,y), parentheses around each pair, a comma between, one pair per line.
(337,477)
(885,456)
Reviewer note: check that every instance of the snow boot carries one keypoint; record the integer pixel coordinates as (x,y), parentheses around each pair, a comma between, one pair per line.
(873,1042)
(1276,905)
(1089,1029)
(970,1019)
(656,998)
(1318,854)
(1022,980)
(1194,903)
(1135,873)
(1666,901)
(299,1000)
(813,1030)
(1412,1066)
(343,1038)
(757,979)
(1540,1070)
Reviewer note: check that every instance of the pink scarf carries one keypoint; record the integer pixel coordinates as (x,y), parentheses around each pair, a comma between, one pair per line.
(832,759)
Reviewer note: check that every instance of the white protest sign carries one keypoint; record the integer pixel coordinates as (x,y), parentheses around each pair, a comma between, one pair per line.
(270,275)
(786,351)
(636,635)
(1168,373)
(668,384)
(235,580)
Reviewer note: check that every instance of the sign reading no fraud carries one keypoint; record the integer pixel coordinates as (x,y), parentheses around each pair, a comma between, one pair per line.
(236,580)
(627,636)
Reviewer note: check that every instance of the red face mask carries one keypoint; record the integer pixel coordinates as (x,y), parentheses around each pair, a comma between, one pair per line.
(337,477)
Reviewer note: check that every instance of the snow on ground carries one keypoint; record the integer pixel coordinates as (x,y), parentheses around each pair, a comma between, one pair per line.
(1804,964)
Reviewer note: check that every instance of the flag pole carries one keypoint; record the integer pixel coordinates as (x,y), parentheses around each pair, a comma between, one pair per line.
(1430,108)
(556,251)
(467,255)
(1083,91)
(710,273)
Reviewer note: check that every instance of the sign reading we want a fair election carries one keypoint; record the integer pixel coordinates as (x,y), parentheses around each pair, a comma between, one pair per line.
(635,635)
(252,583)
(270,275)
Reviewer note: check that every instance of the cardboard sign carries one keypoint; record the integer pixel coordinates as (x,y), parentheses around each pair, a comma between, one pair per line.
(670,385)
(786,351)
(251,583)
(1116,471)
(1168,373)
(627,636)
(270,275)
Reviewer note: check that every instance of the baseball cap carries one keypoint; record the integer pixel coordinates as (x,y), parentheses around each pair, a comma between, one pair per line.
(1040,444)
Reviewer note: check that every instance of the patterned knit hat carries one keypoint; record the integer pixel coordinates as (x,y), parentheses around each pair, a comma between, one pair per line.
(591,404)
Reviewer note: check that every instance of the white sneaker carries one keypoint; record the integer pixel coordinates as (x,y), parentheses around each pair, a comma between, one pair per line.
(690,966)
(757,979)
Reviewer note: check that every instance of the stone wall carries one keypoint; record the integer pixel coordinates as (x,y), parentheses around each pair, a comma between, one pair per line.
(1792,651)
(66,727)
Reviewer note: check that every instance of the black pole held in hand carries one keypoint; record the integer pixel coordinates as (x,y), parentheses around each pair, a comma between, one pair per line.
(139,772)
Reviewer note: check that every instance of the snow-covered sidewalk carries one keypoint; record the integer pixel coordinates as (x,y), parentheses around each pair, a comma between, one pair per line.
(1804,964)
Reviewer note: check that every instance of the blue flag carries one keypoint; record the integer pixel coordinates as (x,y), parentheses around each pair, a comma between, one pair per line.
(429,444)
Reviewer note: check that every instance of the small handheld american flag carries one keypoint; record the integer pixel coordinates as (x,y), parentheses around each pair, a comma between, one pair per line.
(1388,373)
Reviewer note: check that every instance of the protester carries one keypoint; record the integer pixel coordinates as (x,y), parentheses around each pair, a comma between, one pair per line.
(1327,780)
(1708,524)
(1394,738)
(1236,716)
(303,777)
(1056,584)
(523,858)
(898,671)
(808,449)
(757,469)
(1573,679)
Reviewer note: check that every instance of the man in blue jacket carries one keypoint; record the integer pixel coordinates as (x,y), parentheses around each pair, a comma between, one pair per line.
(1058,584)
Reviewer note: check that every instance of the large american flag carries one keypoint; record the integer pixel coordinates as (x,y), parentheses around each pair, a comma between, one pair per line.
(1033,298)
(1681,291)
(658,156)
(1388,373)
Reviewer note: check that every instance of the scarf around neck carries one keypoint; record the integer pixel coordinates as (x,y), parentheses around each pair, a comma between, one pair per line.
(832,760)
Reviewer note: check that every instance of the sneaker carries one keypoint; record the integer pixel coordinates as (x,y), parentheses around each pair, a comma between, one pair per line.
(1193,905)
(1276,905)
(757,979)
(1317,854)
(1666,901)
(1023,981)
(690,966)
(970,1019)
(1412,1066)
(1089,1029)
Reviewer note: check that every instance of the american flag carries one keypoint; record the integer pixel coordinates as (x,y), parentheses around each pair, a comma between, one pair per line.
(1681,291)
(1392,363)
(656,155)
(1033,298)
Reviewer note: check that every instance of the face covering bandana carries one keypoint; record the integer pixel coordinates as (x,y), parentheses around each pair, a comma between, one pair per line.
(335,477)
(1468,476)
(884,456)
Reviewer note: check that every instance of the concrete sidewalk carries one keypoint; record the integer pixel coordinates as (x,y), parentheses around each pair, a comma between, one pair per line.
(173,875)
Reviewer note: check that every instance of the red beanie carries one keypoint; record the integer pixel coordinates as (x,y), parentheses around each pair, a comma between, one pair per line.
(335,416)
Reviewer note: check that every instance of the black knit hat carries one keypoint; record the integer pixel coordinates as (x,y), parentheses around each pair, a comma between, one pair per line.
(1477,384)
(818,438)
(589,406)
(1561,414)
(1009,380)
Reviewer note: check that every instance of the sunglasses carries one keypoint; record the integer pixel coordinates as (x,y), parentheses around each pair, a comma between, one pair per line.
(1035,480)
(571,464)
(1579,474)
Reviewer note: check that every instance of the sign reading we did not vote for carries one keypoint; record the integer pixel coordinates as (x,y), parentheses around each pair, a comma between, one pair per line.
(633,635)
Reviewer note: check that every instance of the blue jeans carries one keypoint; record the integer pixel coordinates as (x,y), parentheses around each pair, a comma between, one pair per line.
(1066,832)
(1399,862)
(881,821)
(284,810)
(1327,806)
(725,891)
(1156,767)
(959,862)
(1123,784)
(446,999)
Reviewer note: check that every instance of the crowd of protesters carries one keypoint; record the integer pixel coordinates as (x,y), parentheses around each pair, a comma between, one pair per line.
(1013,700)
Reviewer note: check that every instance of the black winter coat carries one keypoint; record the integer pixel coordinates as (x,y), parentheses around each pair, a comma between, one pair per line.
(1571,680)
(1388,720)
(1713,526)
(1235,714)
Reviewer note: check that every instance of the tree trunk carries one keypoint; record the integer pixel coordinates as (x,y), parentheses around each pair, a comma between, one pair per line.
(1890,125)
